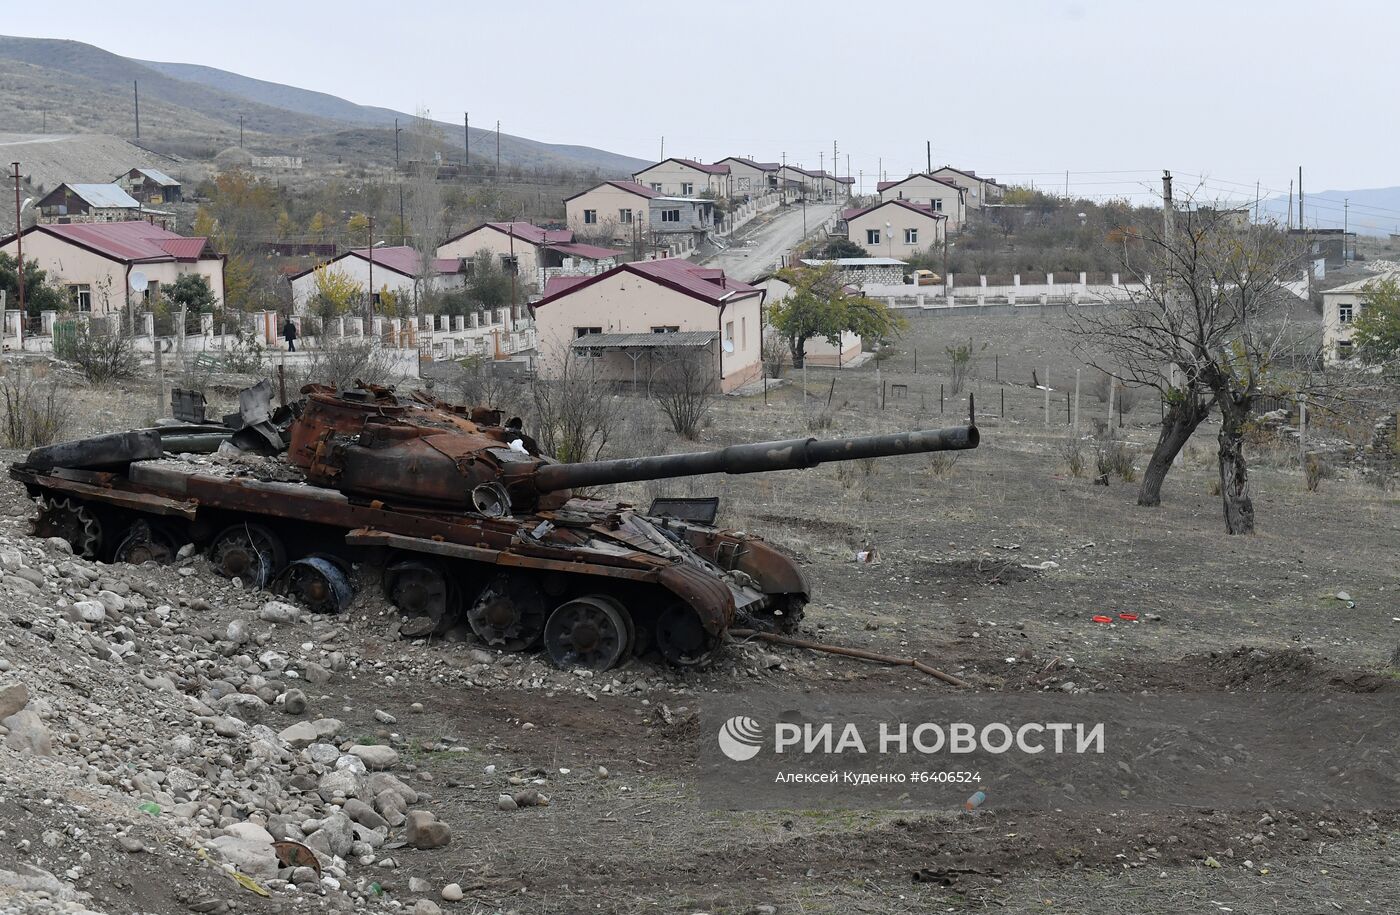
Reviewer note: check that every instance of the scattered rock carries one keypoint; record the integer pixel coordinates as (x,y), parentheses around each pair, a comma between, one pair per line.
(376,756)
(294,702)
(426,831)
(13,697)
(305,733)
(426,907)
(452,892)
(28,733)
(251,856)
(506,802)
(275,611)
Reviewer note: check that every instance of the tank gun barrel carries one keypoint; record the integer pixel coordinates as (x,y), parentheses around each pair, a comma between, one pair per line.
(758,457)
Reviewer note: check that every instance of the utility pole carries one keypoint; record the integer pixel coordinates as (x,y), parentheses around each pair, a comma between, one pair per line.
(19,244)
(663,149)
(1066,184)
(402,229)
(136,96)
(1346,226)
(1301,224)
(928,144)
(1290,204)
(369,301)
(834,167)
(466,139)
(240,131)
(1256,199)
(396,144)
(498,150)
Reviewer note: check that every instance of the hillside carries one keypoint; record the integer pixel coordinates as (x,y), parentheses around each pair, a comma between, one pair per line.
(54,85)
(1373,211)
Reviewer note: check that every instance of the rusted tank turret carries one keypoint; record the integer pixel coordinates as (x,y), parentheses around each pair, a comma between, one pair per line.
(468,520)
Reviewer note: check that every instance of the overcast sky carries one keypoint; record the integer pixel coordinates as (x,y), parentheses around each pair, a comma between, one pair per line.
(1111,91)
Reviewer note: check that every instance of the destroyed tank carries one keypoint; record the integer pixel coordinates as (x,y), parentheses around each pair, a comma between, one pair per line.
(466,518)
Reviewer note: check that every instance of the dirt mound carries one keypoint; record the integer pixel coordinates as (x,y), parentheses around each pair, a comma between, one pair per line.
(1283,670)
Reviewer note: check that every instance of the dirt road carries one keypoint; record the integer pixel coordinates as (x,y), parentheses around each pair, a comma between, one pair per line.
(758,249)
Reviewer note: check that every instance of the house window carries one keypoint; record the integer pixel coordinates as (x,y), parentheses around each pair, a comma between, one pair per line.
(729,333)
(590,217)
(911,236)
(670,215)
(1344,313)
(656,185)
(666,329)
(687,189)
(872,236)
(624,217)
(938,206)
(510,263)
(81,296)
(585,331)
(1344,349)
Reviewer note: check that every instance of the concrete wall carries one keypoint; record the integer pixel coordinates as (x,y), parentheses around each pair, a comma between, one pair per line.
(608,202)
(892,239)
(67,264)
(625,303)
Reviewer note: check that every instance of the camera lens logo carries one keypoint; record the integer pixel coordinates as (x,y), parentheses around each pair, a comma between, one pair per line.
(740,738)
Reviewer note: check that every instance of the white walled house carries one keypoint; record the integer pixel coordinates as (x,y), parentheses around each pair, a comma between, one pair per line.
(618,319)
(980,191)
(96,261)
(749,179)
(614,212)
(895,228)
(390,269)
(532,252)
(685,178)
(940,195)
(1340,307)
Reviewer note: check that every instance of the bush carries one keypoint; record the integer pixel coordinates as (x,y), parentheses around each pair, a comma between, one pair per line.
(1074,457)
(247,356)
(1113,458)
(1315,470)
(343,361)
(34,414)
(100,357)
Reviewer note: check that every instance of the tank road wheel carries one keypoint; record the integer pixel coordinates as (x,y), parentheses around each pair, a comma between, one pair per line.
(784,614)
(74,522)
(422,590)
(248,551)
(590,631)
(320,582)
(146,542)
(681,638)
(510,613)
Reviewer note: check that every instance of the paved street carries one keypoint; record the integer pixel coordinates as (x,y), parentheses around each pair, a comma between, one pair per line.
(757,251)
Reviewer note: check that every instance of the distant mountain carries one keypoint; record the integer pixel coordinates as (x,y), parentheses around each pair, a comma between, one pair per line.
(1372,211)
(55,85)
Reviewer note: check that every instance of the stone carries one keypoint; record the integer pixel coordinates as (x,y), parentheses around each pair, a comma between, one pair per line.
(275,611)
(238,632)
(384,717)
(14,696)
(418,885)
(426,831)
(315,674)
(294,702)
(322,754)
(89,611)
(305,733)
(480,656)
(250,831)
(335,836)
(426,907)
(452,892)
(348,763)
(112,602)
(341,782)
(250,856)
(376,756)
(506,802)
(306,876)
(28,733)
(385,781)
(390,805)
(364,814)
(130,844)
(228,727)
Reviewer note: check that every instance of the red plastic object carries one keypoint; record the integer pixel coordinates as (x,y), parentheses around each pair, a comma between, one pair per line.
(1103,619)
(1128,617)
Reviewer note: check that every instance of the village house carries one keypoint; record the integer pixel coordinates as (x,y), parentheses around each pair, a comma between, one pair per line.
(149,186)
(396,270)
(817,350)
(77,203)
(97,262)
(1340,307)
(532,253)
(626,319)
(895,228)
(859,272)
(815,185)
(980,191)
(615,212)
(941,195)
(685,178)
(749,179)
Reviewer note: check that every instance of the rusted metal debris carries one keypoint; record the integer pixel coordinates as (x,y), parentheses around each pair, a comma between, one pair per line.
(470,521)
(860,653)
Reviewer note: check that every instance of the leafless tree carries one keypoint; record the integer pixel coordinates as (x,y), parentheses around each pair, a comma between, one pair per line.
(575,413)
(1207,330)
(424,210)
(685,384)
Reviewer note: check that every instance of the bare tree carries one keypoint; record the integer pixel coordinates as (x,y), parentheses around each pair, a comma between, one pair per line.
(575,413)
(1208,329)
(424,210)
(685,384)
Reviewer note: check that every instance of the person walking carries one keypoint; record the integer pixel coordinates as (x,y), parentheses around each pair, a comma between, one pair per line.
(289,331)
